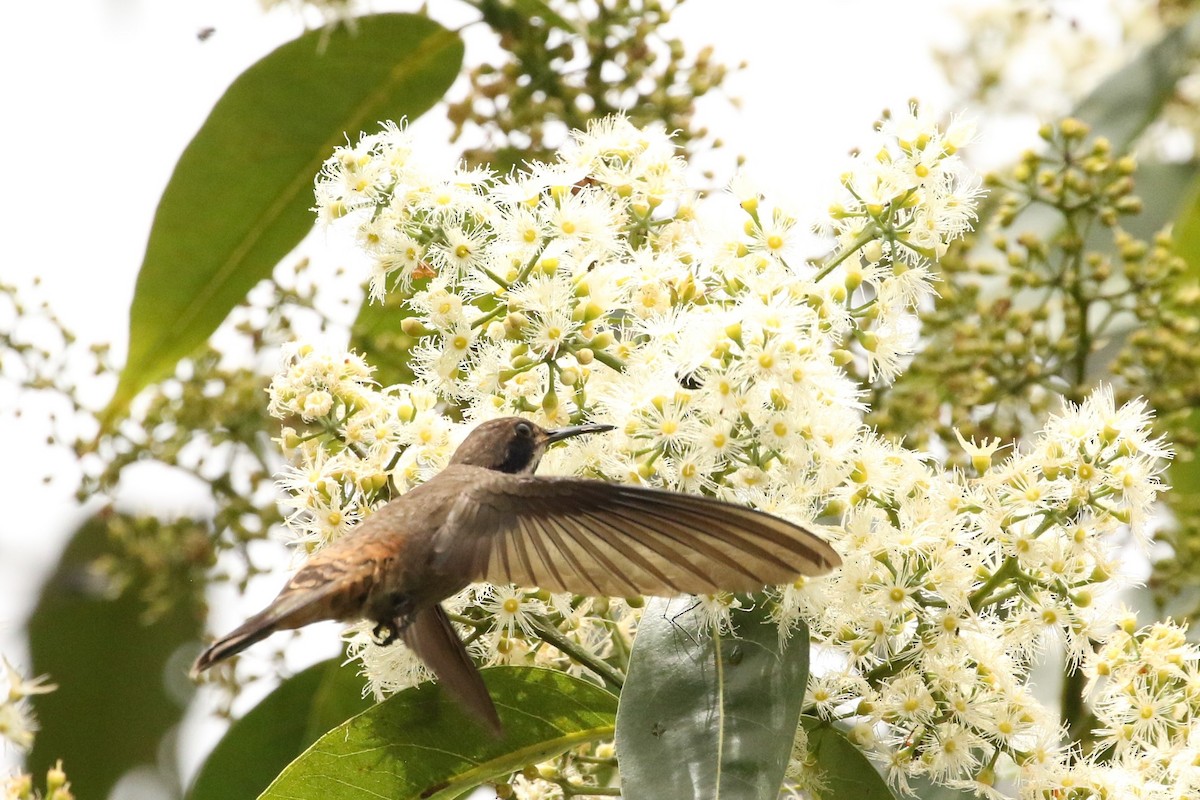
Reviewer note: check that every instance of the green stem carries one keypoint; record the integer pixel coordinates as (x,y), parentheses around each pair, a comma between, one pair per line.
(862,239)
(1073,711)
(553,636)
(979,598)
(583,790)
(489,316)
(609,360)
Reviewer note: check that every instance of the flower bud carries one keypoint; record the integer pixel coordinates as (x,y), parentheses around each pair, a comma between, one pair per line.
(415,328)
(515,321)
(602,340)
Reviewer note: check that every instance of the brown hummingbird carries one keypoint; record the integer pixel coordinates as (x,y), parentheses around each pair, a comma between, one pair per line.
(486,517)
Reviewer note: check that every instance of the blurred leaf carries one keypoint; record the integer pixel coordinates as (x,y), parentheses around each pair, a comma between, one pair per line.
(847,773)
(540,8)
(1166,190)
(240,195)
(1132,97)
(1187,229)
(927,790)
(703,716)
(377,333)
(256,747)
(122,684)
(418,744)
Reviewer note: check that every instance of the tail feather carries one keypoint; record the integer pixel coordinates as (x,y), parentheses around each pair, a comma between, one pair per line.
(287,612)
(253,630)
(431,636)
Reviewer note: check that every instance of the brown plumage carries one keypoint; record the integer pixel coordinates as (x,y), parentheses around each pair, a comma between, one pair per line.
(487,518)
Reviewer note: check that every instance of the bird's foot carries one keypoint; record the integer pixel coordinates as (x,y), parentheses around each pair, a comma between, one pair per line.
(384,633)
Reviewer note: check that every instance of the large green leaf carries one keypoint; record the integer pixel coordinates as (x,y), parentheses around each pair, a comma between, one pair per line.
(1187,229)
(708,716)
(846,772)
(1165,190)
(1131,98)
(122,683)
(240,195)
(281,727)
(419,744)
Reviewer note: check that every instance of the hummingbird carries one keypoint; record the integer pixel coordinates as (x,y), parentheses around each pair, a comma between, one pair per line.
(487,517)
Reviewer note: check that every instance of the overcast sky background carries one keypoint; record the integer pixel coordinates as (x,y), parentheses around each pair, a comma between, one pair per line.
(101,96)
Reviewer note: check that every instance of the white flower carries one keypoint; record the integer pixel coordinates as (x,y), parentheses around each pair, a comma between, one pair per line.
(512,609)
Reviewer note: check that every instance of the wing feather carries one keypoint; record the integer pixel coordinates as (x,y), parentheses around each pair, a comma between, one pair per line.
(619,541)
(691,540)
(612,576)
(698,526)
(561,540)
(591,537)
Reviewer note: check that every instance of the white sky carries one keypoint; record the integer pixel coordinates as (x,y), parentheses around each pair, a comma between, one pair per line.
(100,98)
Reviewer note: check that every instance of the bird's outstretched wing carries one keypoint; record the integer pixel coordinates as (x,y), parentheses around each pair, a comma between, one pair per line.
(592,537)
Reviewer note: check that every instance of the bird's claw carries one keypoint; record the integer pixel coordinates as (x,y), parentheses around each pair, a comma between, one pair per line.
(384,633)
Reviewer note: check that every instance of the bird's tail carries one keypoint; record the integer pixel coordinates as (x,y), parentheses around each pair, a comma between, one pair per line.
(255,629)
(285,613)
(431,636)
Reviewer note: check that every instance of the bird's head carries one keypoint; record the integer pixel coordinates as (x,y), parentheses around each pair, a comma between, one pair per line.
(513,444)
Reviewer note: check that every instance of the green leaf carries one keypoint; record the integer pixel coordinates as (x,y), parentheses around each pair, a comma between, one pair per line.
(279,728)
(542,9)
(926,789)
(1187,229)
(1165,190)
(122,684)
(240,195)
(419,744)
(705,716)
(847,773)
(377,333)
(1130,99)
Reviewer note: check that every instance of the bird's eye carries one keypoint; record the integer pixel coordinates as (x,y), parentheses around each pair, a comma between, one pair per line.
(523,429)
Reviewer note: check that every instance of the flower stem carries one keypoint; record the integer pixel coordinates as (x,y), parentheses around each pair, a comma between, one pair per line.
(553,636)
(979,597)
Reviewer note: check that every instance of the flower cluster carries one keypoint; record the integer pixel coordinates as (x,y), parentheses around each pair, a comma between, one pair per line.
(18,726)
(597,287)
(951,585)
(17,723)
(1146,695)
(20,786)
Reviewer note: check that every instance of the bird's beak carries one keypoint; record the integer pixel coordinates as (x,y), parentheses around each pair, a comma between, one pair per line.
(576,430)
